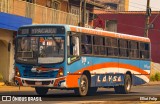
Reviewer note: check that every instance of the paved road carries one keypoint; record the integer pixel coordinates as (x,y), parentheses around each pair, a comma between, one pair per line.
(103,94)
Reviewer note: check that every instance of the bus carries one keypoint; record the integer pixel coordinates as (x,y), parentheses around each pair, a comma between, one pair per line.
(81,59)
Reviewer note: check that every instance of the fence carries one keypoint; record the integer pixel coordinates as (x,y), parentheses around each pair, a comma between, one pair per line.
(39,14)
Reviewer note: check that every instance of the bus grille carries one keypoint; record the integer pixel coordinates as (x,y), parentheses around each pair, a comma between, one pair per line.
(33,82)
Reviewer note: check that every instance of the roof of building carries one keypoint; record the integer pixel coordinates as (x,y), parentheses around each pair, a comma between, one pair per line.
(92,2)
(100,11)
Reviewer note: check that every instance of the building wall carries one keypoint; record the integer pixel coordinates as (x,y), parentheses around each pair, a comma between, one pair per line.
(41,2)
(130,23)
(6,60)
(126,5)
(123,5)
(63,4)
(8,25)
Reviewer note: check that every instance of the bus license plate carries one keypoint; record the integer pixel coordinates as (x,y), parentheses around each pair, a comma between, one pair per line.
(38,83)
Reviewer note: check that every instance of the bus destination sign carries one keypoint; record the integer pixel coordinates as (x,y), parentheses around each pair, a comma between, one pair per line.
(41,30)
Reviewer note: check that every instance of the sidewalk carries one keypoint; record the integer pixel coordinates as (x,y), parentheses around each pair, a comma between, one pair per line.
(152,83)
(15,88)
(4,87)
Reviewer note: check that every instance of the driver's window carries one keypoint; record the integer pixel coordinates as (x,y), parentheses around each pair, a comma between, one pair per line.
(73,47)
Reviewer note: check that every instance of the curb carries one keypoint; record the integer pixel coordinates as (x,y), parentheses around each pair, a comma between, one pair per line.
(152,83)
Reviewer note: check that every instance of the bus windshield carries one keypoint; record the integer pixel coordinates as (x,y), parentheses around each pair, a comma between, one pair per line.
(40,50)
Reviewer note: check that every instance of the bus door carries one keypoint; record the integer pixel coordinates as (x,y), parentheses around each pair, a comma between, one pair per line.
(73,53)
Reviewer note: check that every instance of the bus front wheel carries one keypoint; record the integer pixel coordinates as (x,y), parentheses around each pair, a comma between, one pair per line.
(41,90)
(125,89)
(82,90)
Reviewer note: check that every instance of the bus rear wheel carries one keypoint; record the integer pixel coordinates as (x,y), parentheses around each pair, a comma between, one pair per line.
(82,90)
(41,90)
(125,89)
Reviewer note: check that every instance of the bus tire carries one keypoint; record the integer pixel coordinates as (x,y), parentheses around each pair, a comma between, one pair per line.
(82,90)
(125,89)
(41,90)
(92,90)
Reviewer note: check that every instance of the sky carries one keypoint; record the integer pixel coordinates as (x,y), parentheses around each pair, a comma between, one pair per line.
(140,5)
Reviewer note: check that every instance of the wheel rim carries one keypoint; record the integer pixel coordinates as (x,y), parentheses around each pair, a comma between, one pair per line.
(83,87)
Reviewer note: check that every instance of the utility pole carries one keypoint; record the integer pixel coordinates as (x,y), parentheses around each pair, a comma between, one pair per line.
(148,14)
(84,13)
(80,15)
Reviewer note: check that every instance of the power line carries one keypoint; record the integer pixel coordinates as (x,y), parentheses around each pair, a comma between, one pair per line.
(155,18)
(151,7)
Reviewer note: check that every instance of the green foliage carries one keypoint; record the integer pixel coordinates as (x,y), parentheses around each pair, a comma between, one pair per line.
(157,76)
(152,78)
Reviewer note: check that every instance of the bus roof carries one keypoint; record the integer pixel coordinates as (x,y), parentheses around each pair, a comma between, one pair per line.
(107,33)
(95,32)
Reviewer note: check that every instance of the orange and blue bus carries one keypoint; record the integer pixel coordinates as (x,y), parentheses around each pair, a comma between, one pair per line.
(81,59)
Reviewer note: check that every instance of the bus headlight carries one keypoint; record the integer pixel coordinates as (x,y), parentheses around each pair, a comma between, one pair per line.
(60,72)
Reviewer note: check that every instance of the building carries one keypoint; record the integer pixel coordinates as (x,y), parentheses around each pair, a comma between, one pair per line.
(51,11)
(57,10)
(114,5)
(61,5)
(8,27)
(15,13)
(123,5)
(40,11)
(74,7)
(132,23)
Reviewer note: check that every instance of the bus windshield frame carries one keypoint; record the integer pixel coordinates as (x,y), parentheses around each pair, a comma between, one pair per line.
(39,50)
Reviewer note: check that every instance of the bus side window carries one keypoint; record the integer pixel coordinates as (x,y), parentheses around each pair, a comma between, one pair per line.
(133,49)
(144,51)
(112,49)
(73,47)
(123,47)
(86,44)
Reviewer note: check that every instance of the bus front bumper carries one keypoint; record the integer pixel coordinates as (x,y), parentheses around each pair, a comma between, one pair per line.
(35,82)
